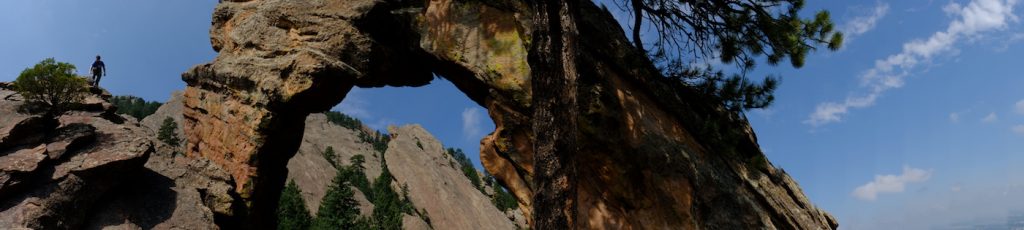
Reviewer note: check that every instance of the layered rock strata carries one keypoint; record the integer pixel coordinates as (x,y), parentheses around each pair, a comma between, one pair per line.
(652,153)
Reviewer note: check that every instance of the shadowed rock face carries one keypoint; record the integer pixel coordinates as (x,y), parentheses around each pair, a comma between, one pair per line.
(647,157)
(55,171)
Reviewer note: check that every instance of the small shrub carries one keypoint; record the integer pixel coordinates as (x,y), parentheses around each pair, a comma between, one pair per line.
(169,132)
(52,85)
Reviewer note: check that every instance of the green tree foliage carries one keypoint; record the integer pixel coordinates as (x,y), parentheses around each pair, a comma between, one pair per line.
(134,106)
(344,120)
(735,32)
(329,155)
(51,84)
(388,205)
(169,132)
(291,211)
(338,210)
(502,199)
(377,139)
(466,166)
(356,175)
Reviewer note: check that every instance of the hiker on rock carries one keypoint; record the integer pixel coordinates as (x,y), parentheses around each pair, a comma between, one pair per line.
(98,70)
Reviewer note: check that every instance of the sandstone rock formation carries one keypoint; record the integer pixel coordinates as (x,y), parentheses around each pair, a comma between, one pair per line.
(436,185)
(652,153)
(171,108)
(313,173)
(54,172)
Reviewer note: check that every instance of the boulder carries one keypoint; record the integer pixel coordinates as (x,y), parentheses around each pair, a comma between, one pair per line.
(17,167)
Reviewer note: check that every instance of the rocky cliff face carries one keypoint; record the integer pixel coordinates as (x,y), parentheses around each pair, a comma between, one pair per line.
(652,153)
(435,182)
(54,172)
(92,169)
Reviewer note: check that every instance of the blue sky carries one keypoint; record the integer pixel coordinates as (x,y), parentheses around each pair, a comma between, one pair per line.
(917,123)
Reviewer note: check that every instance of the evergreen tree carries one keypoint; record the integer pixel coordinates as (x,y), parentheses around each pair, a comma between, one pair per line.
(735,32)
(356,174)
(344,120)
(291,211)
(466,166)
(134,106)
(502,199)
(338,210)
(388,205)
(169,132)
(329,155)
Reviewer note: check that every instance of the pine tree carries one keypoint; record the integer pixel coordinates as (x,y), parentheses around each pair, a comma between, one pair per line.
(338,210)
(291,211)
(329,155)
(356,175)
(169,132)
(388,205)
(735,32)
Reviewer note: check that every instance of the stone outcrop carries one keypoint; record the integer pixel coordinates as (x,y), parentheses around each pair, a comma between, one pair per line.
(652,152)
(313,173)
(171,108)
(55,171)
(178,188)
(438,186)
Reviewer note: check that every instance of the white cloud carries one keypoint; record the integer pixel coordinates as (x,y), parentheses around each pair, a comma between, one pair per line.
(1019,107)
(890,183)
(992,117)
(956,188)
(976,17)
(1019,129)
(863,24)
(471,119)
(354,105)
(954,117)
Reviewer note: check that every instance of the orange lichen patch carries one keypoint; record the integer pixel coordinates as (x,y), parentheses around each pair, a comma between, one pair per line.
(223,131)
(489,41)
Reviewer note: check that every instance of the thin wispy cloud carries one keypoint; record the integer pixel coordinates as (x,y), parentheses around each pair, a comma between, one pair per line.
(890,183)
(1019,129)
(972,20)
(860,25)
(991,117)
(1019,107)
(471,119)
(355,104)
(954,117)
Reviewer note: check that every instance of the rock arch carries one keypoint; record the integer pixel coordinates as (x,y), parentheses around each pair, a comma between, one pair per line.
(642,162)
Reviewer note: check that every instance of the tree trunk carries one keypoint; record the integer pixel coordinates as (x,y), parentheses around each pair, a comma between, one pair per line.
(638,17)
(553,62)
